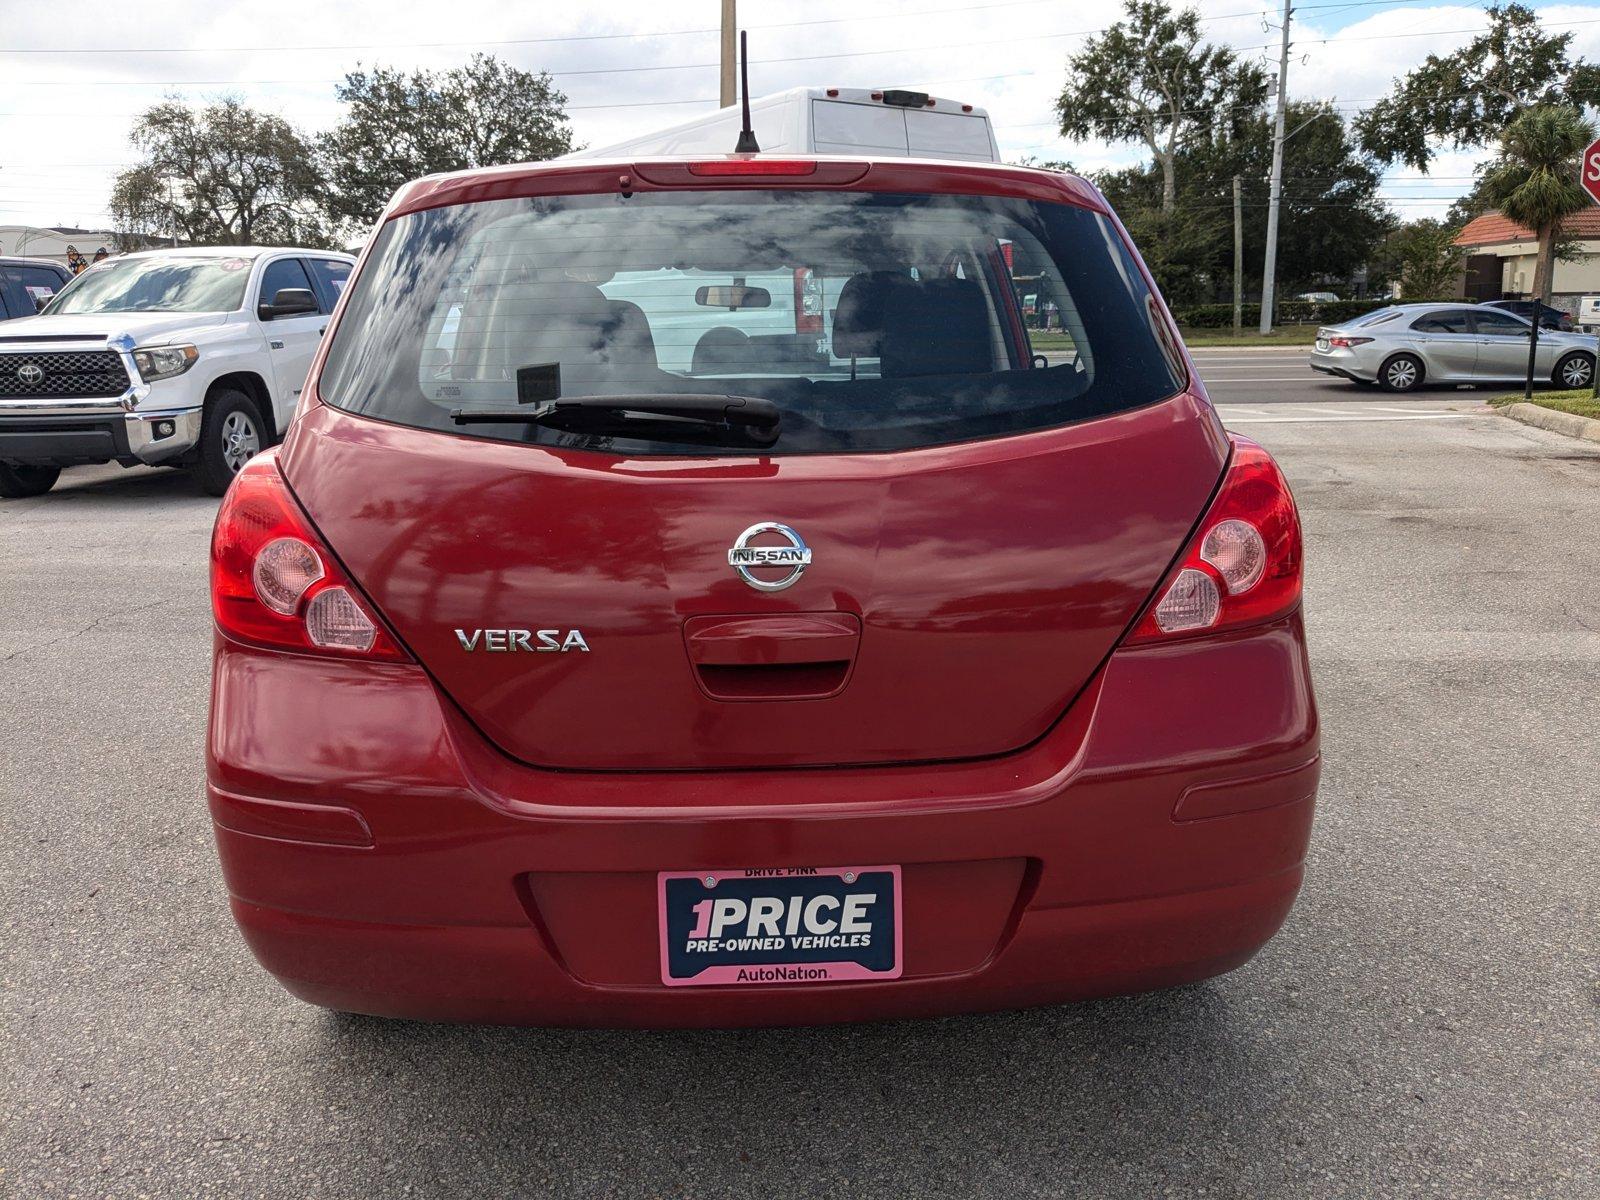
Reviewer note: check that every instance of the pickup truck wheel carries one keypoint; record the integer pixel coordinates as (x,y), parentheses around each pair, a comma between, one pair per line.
(231,435)
(17,482)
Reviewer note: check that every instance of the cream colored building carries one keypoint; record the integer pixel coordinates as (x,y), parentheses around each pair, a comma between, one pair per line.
(1500,259)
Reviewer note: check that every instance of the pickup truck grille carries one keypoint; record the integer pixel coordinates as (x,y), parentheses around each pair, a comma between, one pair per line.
(62,373)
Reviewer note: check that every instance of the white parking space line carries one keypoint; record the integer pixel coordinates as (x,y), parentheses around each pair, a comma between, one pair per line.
(1229,419)
(1257,378)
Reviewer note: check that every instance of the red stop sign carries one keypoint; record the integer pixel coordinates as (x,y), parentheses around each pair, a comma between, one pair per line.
(1589,175)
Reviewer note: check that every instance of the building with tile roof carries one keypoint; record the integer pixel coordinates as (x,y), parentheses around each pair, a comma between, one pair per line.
(1500,259)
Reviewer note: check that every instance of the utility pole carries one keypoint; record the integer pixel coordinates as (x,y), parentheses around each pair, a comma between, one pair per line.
(1238,260)
(1270,271)
(730,53)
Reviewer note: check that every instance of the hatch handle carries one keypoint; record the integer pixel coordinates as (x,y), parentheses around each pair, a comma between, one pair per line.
(772,639)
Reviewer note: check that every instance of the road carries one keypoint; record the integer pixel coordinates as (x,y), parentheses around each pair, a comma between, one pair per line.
(1425,1024)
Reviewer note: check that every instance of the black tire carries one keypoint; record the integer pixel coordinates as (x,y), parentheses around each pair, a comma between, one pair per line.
(1574,371)
(1401,373)
(17,482)
(231,433)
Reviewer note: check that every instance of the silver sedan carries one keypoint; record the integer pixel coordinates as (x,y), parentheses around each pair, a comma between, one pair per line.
(1409,345)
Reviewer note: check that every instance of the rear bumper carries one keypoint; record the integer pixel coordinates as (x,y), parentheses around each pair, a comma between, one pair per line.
(1342,363)
(382,858)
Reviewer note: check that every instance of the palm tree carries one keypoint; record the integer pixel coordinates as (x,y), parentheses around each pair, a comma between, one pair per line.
(1534,182)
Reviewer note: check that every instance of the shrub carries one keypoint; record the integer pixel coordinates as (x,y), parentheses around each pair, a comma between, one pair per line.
(1290,312)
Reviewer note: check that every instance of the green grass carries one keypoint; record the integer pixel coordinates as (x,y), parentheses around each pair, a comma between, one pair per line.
(1582,402)
(1294,337)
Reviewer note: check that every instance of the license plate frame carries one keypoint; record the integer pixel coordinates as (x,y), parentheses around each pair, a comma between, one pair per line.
(748,956)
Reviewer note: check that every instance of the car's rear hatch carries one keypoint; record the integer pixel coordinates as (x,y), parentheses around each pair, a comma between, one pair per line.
(989,580)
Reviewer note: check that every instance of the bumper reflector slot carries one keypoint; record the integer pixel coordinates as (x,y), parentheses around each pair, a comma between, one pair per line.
(289,822)
(1230,796)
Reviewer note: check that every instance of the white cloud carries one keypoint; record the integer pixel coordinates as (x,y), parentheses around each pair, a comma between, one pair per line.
(64,119)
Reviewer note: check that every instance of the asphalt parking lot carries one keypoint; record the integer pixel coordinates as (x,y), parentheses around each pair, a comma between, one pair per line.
(1425,1024)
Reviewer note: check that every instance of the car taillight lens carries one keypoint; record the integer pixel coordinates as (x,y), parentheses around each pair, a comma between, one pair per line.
(807,301)
(1348,342)
(1243,566)
(274,583)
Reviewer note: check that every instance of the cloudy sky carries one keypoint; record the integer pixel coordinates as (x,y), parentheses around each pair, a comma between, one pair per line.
(77,74)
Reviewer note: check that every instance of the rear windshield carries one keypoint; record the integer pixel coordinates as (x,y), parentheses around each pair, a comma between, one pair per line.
(181,284)
(872,321)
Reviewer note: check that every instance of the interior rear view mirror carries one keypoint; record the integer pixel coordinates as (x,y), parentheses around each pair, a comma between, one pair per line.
(733,296)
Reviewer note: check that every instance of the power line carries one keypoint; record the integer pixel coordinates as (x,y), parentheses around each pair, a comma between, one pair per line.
(757,62)
(604,37)
(530,41)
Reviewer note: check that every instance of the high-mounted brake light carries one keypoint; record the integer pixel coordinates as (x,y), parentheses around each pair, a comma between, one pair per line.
(753,166)
(901,98)
(1243,566)
(273,581)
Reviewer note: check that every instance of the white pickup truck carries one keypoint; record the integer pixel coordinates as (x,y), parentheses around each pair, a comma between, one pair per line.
(192,357)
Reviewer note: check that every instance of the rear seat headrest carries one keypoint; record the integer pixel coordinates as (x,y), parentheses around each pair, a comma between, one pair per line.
(858,317)
(936,327)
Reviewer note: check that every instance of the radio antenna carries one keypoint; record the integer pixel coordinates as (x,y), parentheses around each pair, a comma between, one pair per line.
(747,143)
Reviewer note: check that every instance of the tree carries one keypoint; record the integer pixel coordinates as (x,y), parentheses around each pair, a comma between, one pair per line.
(1148,78)
(400,126)
(1475,203)
(1466,99)
(1534,181)
(224,174)
(1423,257)
(1325,174)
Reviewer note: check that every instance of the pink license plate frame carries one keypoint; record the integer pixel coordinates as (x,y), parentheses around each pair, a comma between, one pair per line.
(773,974)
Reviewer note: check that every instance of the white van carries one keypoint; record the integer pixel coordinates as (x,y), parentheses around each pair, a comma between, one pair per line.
(1588,318)
(813,120)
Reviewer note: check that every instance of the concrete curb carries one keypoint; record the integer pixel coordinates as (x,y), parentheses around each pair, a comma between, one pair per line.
(1570,424)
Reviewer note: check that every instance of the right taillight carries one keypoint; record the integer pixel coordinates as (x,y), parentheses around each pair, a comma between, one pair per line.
(273,581)
(1243,565)
(807,301)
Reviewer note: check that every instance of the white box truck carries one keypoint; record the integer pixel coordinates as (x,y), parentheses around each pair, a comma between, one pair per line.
(797,303)
(812,120)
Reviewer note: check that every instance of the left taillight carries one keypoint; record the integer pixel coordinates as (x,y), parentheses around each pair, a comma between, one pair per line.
(275,584)
(1243,566)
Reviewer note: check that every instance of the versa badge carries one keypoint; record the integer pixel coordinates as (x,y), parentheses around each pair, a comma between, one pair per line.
(505,641)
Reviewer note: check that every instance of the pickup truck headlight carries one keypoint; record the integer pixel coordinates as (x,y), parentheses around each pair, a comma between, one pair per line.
(163,362)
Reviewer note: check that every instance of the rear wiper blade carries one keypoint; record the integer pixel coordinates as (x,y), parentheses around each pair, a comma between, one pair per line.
(751,416)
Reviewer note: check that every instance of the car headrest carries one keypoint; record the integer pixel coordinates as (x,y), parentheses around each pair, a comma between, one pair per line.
(858,317)
(559,321)
(936,327)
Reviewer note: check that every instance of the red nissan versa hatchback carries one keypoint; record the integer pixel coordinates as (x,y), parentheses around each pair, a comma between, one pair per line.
(684,597)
